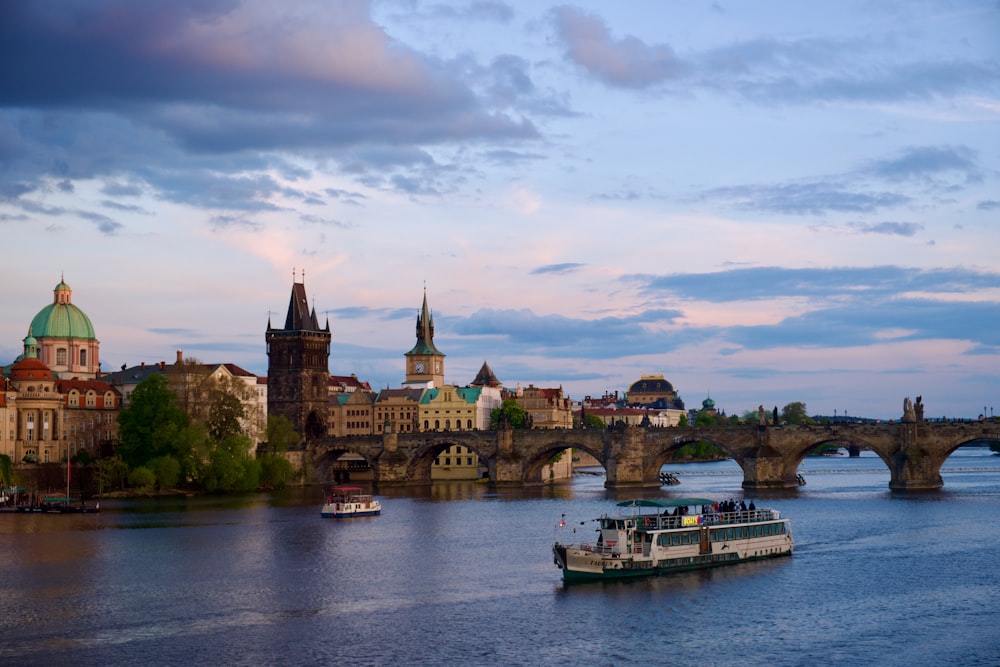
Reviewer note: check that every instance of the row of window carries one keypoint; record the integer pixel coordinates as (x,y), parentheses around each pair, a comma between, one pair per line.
(721,534)
(458,461)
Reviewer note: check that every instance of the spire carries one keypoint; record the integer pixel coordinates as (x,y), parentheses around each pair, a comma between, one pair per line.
(425,331)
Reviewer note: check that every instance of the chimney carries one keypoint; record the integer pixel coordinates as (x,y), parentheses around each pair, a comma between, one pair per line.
(180,356)
(163,365)
(142,364)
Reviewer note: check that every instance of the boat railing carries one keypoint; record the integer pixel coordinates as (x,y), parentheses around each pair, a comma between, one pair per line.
(670,522)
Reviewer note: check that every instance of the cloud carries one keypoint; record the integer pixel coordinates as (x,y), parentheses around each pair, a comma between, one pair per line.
(185,97)
(567,267)
(627,63)
(879,283)
(926,162)
(815,198)
(988,205)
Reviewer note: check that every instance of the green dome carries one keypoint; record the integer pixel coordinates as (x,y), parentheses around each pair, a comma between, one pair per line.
(62,320)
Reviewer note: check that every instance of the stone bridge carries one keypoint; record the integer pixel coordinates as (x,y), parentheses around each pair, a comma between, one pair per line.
(632,456)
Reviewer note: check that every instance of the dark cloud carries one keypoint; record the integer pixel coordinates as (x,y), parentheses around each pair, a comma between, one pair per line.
(150,93)
(988,205)
(567,267)
(889,228)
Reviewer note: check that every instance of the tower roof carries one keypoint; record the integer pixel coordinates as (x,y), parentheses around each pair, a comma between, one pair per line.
(425,332)
(300,317)
(485,377)
(61,319)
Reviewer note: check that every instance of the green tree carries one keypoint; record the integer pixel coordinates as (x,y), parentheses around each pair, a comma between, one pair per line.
(6,471)
(225,414)
(167,470)
(142,479)
(509,413)
(593,421)
(150,422)
(276,471)
(281,434)
(112,473)
(795,413)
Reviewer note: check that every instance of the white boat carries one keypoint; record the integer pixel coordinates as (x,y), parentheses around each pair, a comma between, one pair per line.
(347,501)
(688,534)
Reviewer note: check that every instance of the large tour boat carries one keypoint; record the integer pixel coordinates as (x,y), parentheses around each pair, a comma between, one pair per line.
(678,534)
(347,501)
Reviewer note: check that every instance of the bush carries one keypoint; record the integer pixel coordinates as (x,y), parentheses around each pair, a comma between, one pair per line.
(167,471)
(142,479)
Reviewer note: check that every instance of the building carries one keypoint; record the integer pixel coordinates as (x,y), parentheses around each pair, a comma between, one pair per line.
(424,362)
(654,391)
(46,419)
(298,367)
(546,408)
(67,344)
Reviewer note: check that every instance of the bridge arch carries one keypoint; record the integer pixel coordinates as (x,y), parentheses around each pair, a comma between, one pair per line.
(331,467)
(665,451)
(418,470)
(534,470)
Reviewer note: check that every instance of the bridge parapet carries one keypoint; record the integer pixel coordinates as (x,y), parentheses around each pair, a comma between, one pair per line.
(633,456)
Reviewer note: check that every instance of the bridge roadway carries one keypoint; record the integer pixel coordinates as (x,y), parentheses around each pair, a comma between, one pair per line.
(632,456)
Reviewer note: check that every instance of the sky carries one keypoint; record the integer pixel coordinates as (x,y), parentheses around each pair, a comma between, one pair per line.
(766,202)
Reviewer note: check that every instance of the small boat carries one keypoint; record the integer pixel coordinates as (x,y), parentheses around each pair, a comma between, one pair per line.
(347,501)
(688,534)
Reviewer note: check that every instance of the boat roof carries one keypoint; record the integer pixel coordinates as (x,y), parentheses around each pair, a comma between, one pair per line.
(346,488)
(665,502)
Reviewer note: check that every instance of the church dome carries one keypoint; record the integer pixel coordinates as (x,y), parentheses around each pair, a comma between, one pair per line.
(61,319)
(30,368)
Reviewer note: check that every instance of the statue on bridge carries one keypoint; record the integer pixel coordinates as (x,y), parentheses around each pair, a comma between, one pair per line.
(909,416)
(918,409)
(761,416)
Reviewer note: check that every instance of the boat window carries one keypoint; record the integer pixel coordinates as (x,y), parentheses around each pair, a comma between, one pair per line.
(729,533)
(685,538)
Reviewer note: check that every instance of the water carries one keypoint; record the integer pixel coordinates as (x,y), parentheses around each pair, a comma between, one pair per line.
(462,574)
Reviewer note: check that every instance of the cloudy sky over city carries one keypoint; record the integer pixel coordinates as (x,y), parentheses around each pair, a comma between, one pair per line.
(764,201)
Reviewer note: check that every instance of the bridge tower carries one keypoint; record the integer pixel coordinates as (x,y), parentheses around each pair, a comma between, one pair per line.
(298,367)
(425,363)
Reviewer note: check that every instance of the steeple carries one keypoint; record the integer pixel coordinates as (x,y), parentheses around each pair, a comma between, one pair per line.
(425,331)
(425,363)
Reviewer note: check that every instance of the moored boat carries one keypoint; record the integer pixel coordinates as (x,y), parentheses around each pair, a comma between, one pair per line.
(688,534)
(348,501)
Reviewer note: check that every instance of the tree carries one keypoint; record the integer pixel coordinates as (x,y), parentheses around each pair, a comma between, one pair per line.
(509,414)
(142,478)
(281,434)
(795,413)
(167,471)
(593,421)
(148,425)
(6,471)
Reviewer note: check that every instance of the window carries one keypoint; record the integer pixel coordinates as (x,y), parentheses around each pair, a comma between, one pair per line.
(83,357)
(61,356)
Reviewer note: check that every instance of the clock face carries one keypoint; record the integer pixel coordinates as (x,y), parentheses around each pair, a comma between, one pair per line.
(419,367)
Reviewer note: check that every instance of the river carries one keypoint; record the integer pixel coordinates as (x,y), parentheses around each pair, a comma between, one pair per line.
(462,574)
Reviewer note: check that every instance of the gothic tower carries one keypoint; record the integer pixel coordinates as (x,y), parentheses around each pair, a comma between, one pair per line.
(425,363)
(298,367)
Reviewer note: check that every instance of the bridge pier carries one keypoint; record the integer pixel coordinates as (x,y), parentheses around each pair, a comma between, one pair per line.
(913,467)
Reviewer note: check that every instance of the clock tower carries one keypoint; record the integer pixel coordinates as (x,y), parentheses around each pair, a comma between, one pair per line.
(425,363)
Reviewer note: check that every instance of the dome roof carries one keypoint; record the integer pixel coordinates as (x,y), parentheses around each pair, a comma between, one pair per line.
(62,320)
(651,385)
(30,368)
